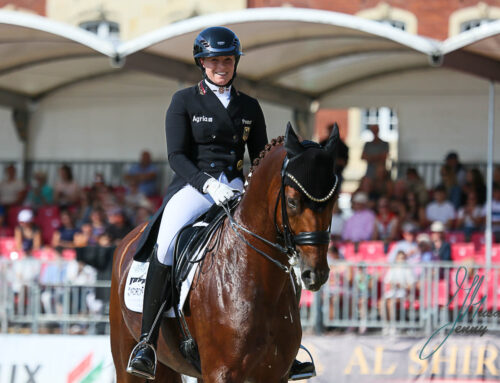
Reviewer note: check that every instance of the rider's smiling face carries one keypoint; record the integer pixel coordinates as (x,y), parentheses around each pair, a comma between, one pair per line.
(219,69)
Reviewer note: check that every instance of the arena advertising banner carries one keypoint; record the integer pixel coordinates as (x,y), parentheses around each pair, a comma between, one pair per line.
(378,359)
(55,359)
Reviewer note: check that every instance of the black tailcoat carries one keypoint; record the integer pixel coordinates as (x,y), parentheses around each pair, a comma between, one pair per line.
(205,139)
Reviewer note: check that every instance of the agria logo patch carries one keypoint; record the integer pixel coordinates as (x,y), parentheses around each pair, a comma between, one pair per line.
(202,119)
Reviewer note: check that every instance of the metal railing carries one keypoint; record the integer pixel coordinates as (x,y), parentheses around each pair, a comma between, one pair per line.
(357,296)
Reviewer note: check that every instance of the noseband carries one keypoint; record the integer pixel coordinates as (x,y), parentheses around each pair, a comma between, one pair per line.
(286,236)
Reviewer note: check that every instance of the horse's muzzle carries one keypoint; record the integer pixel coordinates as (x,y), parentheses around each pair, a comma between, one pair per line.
(314,278)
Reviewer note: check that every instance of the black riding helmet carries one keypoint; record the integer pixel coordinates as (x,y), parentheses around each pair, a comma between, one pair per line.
(217,41)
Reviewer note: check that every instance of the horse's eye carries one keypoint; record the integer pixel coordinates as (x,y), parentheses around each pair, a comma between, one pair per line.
(292,204)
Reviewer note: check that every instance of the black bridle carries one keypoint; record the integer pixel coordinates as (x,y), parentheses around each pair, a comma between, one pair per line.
(286,235)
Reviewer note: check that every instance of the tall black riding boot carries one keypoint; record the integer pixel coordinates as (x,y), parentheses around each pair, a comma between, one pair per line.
(142,360)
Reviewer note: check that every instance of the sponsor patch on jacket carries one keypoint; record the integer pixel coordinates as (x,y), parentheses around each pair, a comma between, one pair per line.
(246,122)
(202,119)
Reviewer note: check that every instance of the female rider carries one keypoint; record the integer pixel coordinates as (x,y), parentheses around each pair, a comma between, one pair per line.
(207,128)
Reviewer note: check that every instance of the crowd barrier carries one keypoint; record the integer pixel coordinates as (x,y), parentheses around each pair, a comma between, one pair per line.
(358,296)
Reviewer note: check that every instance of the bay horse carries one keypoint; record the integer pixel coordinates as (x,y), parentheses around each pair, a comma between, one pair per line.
(243,305)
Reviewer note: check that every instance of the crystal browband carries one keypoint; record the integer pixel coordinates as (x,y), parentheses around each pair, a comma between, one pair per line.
(302,188)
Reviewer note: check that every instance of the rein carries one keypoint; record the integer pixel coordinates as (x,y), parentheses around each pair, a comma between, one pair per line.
(291,240)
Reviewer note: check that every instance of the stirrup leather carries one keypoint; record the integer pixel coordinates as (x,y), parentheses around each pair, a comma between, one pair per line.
(306,374)
(142,374)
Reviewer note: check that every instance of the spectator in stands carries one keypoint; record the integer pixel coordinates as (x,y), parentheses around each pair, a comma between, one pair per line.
(495,212)
(453,162)
(399,192)
(5,231)
(415,211)
(145,173)
(359,227)
(93,230)
(474,181)
(64,236)
(119,226)
(375,152)
(386,222)
(407,245)
(425,253)
(470,217)
(66,190)
(143,213)
(441,248)
(398,282)
(12,189)
(366,187)
(449,182)
(135,198)
(337,224)
(382,185)
(40,193)
(416,185)
(440,209)
(28,237)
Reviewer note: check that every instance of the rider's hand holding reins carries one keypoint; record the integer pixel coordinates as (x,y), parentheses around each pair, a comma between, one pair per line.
(220,193)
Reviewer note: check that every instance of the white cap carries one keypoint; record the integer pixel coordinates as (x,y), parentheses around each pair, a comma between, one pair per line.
(437,227)
(360,197)
(25,215)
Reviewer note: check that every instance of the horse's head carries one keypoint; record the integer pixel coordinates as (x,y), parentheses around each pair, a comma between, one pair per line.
(309,185)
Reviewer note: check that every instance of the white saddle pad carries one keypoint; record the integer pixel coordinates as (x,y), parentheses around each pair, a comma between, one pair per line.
(136,280)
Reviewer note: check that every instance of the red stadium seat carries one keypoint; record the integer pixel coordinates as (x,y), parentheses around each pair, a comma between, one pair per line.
(12,214)
(372,251)
(455,237)
(48,219)
(462,251)
(347,249)
(478,240)
(7,246)
(480,256)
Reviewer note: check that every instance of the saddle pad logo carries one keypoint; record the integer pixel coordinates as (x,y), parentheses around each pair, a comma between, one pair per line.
(134,287)
(202,119)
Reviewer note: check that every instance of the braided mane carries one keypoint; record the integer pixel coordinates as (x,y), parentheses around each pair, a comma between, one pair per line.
(256,162)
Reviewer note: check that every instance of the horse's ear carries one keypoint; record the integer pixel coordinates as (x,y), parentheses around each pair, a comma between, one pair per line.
(331,144)
(292,144)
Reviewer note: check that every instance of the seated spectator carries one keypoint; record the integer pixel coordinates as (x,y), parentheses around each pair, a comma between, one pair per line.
(40,192)
(382,185)
(93,230)
(440,209)
(416,186)
(28,237)
(337,224)
(474,182)
(64,236)
(449,182)
(453,162)
(12,189)
(386,226)
(425,253)
(366,187)
(441,248)
(398,282)
(145,173)
(359,227)
(470,217)
(399,191)
(5,231)
(66,190)
(143,213)
(119,226)
(407,244)
(134,198)
(415,212)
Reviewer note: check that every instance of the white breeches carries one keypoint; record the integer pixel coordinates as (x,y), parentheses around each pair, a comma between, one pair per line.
(182,209)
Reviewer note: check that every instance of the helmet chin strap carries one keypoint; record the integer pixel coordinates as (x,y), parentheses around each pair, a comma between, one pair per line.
(205,77)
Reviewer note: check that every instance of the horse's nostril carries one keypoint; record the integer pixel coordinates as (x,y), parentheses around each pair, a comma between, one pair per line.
(306,275)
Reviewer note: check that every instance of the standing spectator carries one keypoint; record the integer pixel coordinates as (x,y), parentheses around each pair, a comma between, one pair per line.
(495,212)
(416,185)
(408,245)
(12,189)
(440,209)
(457,168)
(64,236)
(449,182)
(382,185)
(366,187)
(359,227)
(442,249)
(375,152)
(386,222)
(474,181)
(40,192)
(67,191)
(470,217)
(145,173)
(28,237)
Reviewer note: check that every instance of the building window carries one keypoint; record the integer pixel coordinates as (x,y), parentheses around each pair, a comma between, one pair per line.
(103,28)
(471,24)
(387,120)
(394,23)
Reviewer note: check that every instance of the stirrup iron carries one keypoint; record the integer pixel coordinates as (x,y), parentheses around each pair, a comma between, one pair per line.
(308,374)
(139,373)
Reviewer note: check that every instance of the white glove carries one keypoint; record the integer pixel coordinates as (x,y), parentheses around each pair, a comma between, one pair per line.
(220,193)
